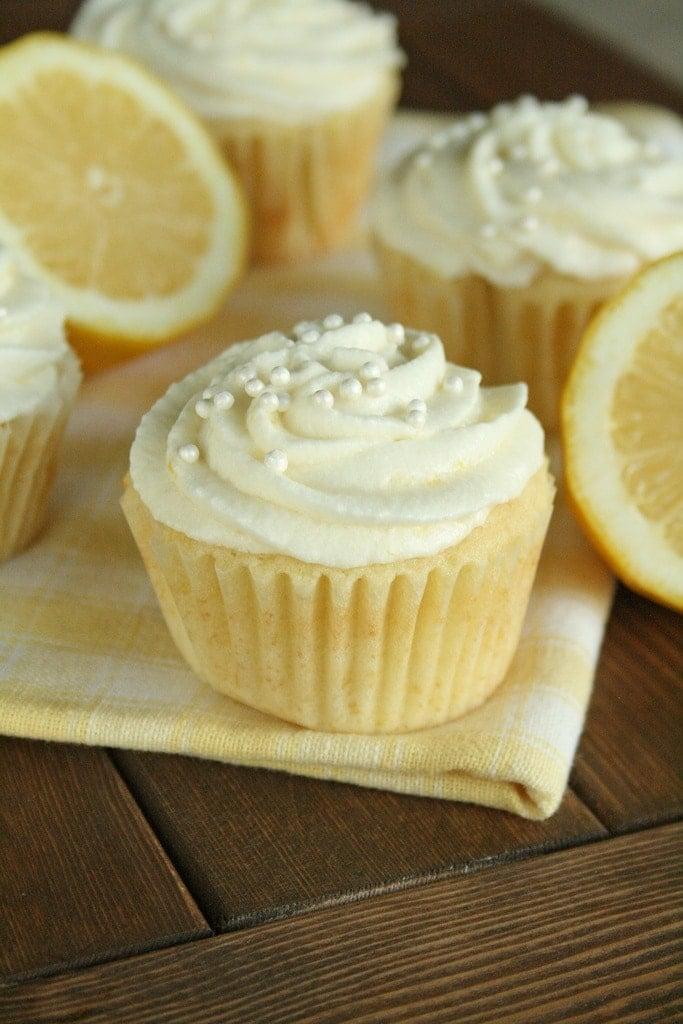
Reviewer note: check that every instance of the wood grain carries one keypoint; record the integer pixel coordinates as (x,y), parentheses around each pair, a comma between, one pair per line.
(82,876)
(256,845)
(589,935)
(628,765)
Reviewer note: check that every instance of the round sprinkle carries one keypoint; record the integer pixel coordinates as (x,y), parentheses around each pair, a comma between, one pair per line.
(208,394)
(458,130)
(376,387)
(284,400)
(362,318)
(496,165)
(526,101)
(529,223)
(324,398)
(308,337)
(300,359)
(488,231)
(440,140)
(350,387)
(454,382)
(269,400)
(577,102)
(302,327)
(244,373)
(519,152)
(396,333)
(550,167)
(202,408)
(279,376)
(421,343)
(416,418)
(254,386)
(224,400)
(477,120)
(417,405)
(533,194)
(373,368)
(276,460)
(424,160)
(333,321)
(189,452)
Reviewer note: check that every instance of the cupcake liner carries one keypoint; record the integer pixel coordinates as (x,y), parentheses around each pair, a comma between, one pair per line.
(374,649)
(29,448)
(305,182)
(510,334)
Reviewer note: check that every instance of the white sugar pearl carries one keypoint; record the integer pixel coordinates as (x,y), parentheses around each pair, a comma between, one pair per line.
(244,373)
(324,398)
(424,160)
(529,223)
(577,102)
(440,140)
(375,387)
(396,333)
(350,387)
(373,368)
(454,382)
(333,321)
(224,400)
(496,165)
(308,337)
(417,405)
(458,130)
(202,408)
(519,152)
(208,394)
(300,359)
(269,400)
(533,194)
(254,386)
(189,452)
(302,327)
(279,376)
(362,318)
(416,418)
(477,120)
(550,167)
(276,460)
(421,343)
(488,230)
(284,401)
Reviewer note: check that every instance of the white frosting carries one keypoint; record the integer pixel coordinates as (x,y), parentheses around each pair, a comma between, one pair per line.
(351,445)
(33,350)
(534,186)
(289,60)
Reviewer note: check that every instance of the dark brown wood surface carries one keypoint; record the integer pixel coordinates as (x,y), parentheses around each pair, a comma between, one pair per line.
(597,940)
(82,876)
(96,851)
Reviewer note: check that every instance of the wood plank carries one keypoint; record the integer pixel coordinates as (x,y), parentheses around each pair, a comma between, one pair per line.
(82,876)
(586,935)
(254,845)
(628,765)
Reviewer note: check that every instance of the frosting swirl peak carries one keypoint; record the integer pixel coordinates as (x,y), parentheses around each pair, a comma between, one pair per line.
(342,444)
(274,59)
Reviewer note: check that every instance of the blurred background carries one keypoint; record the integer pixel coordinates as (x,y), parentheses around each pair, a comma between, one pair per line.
(648,34)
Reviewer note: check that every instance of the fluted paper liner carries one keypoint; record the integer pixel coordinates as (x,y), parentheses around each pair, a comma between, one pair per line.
(306,182)
(509,334)
(380,648)
(29,450)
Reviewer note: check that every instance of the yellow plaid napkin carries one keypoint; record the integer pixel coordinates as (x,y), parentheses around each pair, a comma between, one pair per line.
(85,656)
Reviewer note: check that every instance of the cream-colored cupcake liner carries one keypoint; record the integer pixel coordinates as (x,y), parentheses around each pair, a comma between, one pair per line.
(306,182)
(381,648)
(29,450)
(510,334)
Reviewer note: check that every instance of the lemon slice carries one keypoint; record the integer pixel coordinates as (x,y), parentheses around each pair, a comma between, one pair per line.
(113,191)
(622,425)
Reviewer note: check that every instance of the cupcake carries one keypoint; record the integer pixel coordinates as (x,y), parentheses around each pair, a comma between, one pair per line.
(296,92)
(342,528)
(39,378)
(507,230)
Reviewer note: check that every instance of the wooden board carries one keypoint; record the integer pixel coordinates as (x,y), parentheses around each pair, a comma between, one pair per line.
(82,876)
(582,936)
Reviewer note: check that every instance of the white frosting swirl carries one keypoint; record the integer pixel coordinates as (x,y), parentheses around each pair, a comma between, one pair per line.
(352,445)
(534,186)
(293,60)
(33,350)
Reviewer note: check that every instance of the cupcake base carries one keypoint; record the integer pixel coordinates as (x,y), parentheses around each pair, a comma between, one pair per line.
(375,649)
(29,449)
(510,334)
(305,182)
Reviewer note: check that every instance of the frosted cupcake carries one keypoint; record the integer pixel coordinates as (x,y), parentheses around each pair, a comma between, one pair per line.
(342,528)
(509,229)
(297,93)
(39,378)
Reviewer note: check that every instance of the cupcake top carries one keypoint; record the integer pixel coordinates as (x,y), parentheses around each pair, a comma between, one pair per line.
(536,186)
(33,349)
(278,60)
(342,444)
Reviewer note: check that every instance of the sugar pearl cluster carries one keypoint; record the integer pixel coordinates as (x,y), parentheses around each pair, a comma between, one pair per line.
(306,356)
